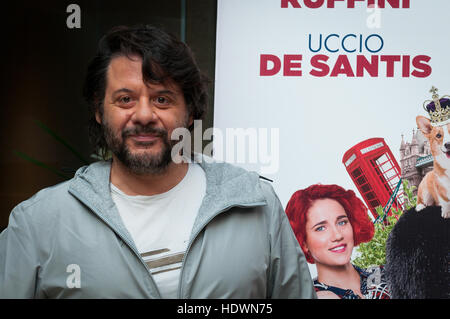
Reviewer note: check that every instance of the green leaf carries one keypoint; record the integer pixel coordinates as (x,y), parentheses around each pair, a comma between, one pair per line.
(62,141)
(373,253)
(41,164)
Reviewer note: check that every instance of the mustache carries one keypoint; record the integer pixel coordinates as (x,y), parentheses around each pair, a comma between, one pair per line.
(148,129)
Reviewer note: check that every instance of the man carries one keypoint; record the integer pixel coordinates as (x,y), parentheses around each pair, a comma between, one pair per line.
(142,225)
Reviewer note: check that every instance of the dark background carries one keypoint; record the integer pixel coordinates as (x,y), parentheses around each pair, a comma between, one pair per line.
(43,68)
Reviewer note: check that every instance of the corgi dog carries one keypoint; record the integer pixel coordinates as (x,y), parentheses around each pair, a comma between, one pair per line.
(434,189)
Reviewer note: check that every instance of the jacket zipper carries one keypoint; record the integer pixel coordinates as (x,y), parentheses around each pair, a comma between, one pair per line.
(200,230)
(127,242)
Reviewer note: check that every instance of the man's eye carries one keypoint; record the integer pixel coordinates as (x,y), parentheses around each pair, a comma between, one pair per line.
(161,100)
(125,99)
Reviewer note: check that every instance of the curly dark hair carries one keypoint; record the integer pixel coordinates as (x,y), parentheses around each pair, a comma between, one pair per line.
(164,58)
(302,200)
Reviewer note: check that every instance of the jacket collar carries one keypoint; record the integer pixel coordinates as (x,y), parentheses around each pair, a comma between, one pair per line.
(92,187)
(226,186)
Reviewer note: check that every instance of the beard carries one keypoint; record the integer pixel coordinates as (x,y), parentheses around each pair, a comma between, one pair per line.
(140,163)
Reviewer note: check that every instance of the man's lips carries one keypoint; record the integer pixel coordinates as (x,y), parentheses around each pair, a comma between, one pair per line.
(145,137)
(338,249)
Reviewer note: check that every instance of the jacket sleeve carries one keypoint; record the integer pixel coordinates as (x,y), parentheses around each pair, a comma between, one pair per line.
(18,258)
(289,275)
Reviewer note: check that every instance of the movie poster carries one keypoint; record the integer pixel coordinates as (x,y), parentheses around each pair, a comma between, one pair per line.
(303,92)
(302,82)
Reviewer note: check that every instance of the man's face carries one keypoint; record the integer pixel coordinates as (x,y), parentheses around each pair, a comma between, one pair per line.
(138,118)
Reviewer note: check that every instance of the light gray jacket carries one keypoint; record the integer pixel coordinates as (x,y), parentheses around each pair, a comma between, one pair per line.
(68,241)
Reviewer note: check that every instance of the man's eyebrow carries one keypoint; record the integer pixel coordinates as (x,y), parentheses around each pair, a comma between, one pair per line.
(166,92)
(159,92)
(122,90)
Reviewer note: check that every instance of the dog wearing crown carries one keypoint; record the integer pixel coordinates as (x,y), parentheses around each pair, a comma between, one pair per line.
(434,189)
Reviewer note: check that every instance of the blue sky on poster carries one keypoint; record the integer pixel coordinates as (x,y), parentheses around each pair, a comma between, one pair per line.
(320,118)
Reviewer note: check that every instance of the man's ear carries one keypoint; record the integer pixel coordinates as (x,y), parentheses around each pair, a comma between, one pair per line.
(99,105)
(424,124)
(98,117)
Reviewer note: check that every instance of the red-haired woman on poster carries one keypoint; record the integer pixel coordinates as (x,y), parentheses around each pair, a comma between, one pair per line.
(328,222)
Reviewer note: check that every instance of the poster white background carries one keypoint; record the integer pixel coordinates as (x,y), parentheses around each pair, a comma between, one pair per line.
(319,118)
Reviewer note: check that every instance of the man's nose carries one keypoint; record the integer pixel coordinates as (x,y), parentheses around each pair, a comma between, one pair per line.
(144,112)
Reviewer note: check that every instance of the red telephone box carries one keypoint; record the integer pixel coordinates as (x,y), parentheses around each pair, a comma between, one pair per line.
(375,172)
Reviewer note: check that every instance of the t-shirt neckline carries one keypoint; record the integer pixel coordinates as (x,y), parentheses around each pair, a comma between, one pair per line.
(145,198)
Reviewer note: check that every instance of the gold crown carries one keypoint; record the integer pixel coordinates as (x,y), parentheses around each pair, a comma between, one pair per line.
(440,115)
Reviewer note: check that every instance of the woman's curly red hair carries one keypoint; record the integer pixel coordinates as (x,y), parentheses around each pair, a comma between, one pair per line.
(300,202)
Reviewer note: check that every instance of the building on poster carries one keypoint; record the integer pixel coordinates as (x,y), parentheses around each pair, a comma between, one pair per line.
(415,159)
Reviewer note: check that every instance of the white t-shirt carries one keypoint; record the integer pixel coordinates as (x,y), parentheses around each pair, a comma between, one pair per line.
(161,225)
